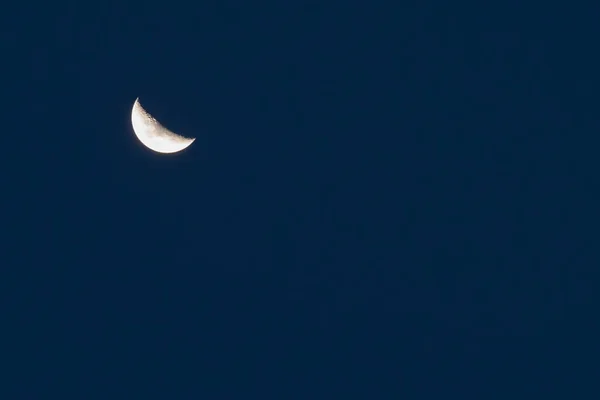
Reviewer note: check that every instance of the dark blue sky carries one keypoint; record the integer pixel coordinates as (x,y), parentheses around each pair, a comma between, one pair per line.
(381,202)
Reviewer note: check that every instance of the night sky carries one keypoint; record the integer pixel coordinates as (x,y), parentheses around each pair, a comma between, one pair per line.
(382,201)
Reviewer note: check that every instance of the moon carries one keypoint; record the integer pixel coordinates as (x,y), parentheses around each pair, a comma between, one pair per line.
(153,135)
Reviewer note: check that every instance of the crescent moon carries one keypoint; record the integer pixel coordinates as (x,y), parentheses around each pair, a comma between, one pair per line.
(153,135)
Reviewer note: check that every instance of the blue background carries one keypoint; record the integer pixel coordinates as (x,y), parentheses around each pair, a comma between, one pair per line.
(382,202)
